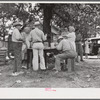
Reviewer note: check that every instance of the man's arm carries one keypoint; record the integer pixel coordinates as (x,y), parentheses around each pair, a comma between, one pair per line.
(18,35)
(29,39)
(59,46)
(43,36)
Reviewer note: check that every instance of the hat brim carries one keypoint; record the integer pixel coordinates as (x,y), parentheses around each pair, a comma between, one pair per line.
(17,25)
(60,38)
(37,24)
(65,36)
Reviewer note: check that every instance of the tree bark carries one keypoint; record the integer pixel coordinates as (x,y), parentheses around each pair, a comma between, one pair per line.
(46,22)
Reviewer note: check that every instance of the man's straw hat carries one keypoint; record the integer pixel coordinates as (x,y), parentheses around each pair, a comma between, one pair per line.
(17,24)
(37,23)
(60,37)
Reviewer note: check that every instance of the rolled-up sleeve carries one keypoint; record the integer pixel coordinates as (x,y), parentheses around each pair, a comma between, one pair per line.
(28,40)
(43,37)
(59,46)
(30,36)
(17,35)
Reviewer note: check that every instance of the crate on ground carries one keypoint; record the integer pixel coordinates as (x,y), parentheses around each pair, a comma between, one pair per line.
(3,52)
(70,64)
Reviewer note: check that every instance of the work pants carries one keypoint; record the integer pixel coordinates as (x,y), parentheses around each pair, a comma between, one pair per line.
(63,56)
(17,47)
(38,53)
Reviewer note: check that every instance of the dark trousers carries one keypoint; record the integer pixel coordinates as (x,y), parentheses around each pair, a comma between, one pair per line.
(29,58)
(17,47)
(79,50)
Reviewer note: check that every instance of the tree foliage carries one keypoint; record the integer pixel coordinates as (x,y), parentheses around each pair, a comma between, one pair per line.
(13,10)
(84,17)
(18,9)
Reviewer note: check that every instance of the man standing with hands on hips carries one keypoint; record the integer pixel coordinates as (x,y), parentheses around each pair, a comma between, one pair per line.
(37,37)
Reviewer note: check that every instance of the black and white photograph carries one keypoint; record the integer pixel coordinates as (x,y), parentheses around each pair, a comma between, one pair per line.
(50,45)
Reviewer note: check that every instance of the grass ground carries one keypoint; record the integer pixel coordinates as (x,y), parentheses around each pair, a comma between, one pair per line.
(86,75)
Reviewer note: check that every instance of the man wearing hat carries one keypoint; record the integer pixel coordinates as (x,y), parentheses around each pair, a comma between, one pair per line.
(79,48)
(67,51)
(17,47)
(37,37)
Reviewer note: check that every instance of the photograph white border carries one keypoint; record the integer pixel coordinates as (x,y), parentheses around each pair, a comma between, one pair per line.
(53,93)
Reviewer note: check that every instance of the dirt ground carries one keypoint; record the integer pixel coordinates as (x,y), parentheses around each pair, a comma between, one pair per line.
(86,75)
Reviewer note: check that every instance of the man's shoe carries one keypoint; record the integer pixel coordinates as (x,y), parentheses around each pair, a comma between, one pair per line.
(56,71)
(43,70)
(66,69)
(24,67)
(82,60)
(15,74)
(21,72)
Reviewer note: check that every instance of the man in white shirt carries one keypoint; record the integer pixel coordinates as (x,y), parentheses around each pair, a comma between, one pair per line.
(37,37)
(67,52)
(17,47)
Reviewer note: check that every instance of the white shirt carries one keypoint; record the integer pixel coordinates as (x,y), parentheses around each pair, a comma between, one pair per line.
(36,35)
(25,38)
(71,36)
(16,35)
(64,45)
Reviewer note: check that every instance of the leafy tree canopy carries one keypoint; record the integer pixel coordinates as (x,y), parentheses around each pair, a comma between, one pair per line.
(84,17)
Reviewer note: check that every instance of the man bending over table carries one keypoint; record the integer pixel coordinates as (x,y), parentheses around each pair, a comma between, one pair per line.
(67,52)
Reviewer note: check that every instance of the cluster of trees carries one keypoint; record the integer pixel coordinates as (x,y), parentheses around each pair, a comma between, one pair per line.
(13,11)
(85,17)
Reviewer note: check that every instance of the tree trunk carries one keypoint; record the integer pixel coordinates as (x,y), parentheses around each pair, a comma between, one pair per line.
(46,23)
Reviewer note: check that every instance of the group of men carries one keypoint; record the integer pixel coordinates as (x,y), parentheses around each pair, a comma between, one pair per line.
(66,45)
(36,37)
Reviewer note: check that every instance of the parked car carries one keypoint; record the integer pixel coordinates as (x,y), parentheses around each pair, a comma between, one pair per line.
(94,45)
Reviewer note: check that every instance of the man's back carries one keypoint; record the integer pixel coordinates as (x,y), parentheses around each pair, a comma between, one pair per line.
(37,35)
(64,45)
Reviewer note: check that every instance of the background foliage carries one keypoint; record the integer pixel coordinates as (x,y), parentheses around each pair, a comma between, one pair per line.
(84,17)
